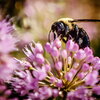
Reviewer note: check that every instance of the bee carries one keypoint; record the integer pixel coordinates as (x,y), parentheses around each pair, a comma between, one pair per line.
(66,28)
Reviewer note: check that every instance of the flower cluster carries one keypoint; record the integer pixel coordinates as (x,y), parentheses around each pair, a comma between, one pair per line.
(7,45)
(54,71)
(71,73)
(7,63)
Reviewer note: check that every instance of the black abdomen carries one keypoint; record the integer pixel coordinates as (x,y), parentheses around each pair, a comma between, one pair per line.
(80,36)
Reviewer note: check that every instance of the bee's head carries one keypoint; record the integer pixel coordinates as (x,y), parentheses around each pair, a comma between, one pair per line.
(58,28)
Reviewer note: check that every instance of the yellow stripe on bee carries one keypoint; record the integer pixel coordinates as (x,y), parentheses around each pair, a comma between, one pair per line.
(67,21)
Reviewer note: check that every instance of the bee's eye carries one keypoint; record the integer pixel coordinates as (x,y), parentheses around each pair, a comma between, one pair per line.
(58,27)
(61,26)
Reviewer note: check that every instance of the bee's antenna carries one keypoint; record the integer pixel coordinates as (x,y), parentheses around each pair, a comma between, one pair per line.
(85,20)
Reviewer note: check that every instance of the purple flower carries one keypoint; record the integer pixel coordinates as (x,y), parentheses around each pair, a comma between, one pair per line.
(7,41)
(40,73)
(48,47)
(85,67)
(71,72)
(92,78)
(23,83)
(59,83)
(58,65)
(81,93)
(57,43)
(54,52)
(6,27)
(53,80)
(45,92)
(80,55)
(38,48)
(55,92)
(4,91)
(39,58)
(7,45)
(69,76)
(29,54)
(67,73)
(64,54)
(96,90)
(70,45)
(7,66)
(47,67)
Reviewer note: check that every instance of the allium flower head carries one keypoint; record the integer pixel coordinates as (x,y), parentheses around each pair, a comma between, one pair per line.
(7,41)
(7,45)
(4,91)
(6,27)
(71,73)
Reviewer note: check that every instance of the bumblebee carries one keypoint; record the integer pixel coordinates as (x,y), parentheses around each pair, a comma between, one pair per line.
(66,28)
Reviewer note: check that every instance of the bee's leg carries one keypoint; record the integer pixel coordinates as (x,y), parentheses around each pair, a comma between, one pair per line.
(67,34)
(52,36)
(75,31)
(66,38)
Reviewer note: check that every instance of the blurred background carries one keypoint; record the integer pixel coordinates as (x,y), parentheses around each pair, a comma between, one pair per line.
(33,18)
